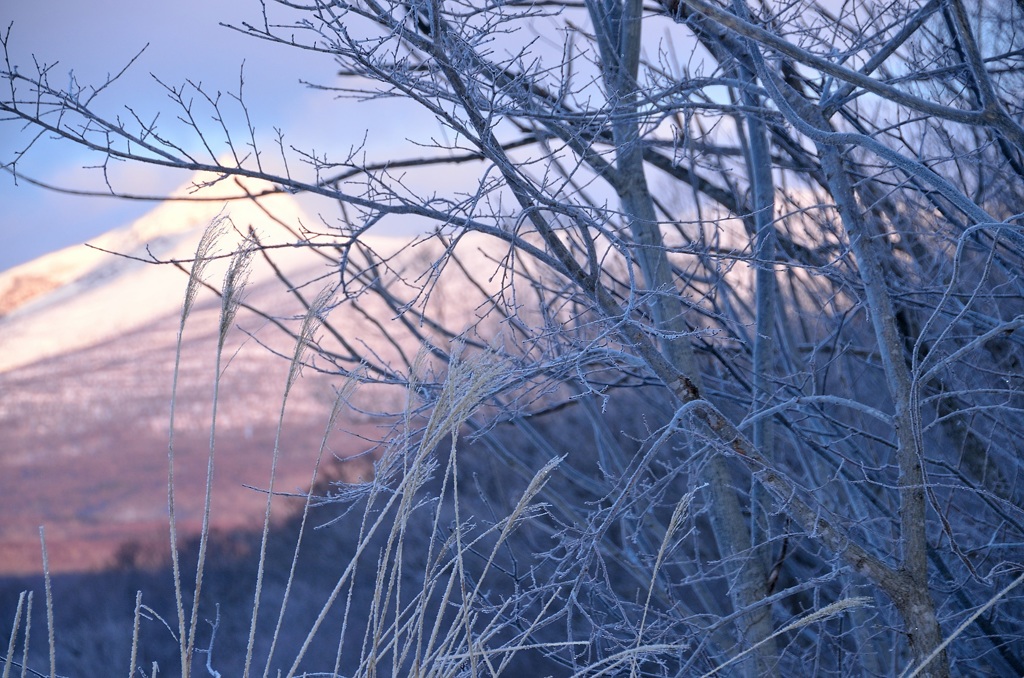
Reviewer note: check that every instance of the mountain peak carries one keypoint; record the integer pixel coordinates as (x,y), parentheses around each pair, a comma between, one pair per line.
(82,294)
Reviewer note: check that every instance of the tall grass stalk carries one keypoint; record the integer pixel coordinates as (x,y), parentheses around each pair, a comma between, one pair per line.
(341,399)
(363,540)
(311,323)
(213,232)
(236,279)
(14,635)
(679,513)
(28,629)
(136,619)
(49,604)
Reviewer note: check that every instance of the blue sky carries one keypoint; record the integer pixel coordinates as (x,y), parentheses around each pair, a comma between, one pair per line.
(92,40)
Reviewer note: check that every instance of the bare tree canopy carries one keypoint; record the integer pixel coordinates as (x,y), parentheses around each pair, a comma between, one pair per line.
(763,259)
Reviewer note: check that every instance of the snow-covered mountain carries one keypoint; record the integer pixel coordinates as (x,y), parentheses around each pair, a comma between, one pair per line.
(87,348)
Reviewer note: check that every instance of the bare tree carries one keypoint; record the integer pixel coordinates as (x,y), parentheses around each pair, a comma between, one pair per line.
(784,240)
